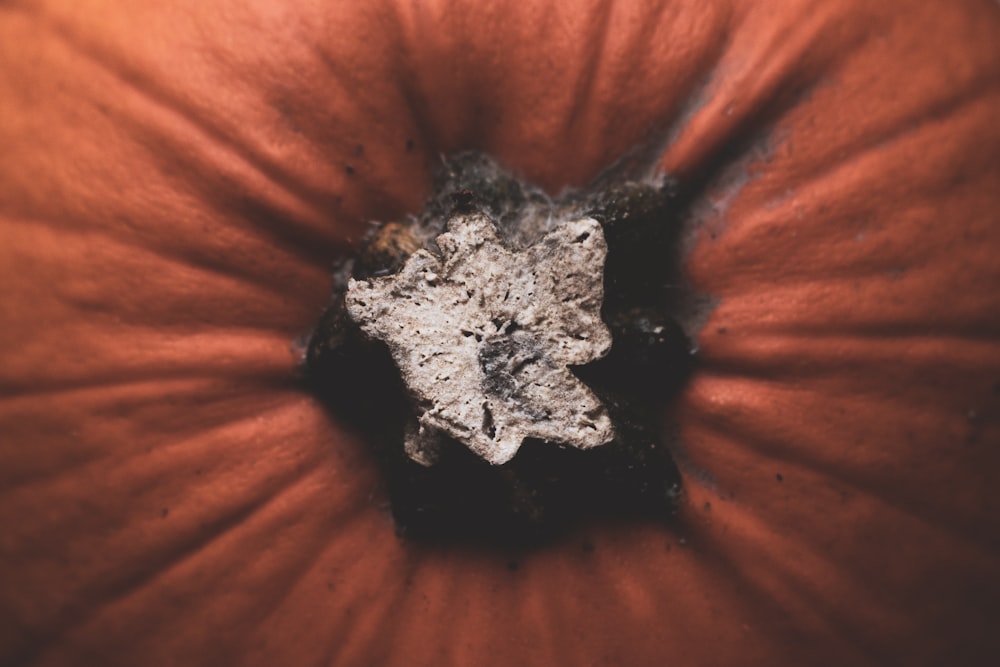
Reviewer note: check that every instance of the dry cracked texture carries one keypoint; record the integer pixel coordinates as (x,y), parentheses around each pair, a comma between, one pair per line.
(483,336)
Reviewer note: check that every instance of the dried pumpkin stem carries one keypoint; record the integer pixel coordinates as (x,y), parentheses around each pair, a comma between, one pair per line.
(513,318)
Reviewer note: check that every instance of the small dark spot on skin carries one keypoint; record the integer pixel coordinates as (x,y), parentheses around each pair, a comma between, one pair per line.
(349,169)
(708,507)
(409,145)
(164,512)
(721,330)
(513,565)
(329,585)
(359,149)
(779,477)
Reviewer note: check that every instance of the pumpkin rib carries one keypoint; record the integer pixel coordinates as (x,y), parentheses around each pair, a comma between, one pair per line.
(760,231)
(349,647)
(842,321)
(459,595)
(285,224)
(134,464)
(899,569)
(487,84)
(697,81)
(644,19)
(595,36)
(768,355)
(218,531)
(211,261)
(309,561)
(172,248)
(736,584)
(946,333)
(858,154)
(903,128)
(171,448)
(929,516)
(111,594)
(72,388)
(118,401)
(408,638)
(208,131)
(418,101)
(823,164)
(405,80)
(549,615)
(887,579)
(154,357)
(726,120)
(788,586)
(120,603)
(410,642)
(630,45)
(312,222)
(873,472)
(179,283)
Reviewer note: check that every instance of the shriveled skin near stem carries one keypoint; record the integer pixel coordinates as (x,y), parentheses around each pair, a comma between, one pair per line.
(177,175)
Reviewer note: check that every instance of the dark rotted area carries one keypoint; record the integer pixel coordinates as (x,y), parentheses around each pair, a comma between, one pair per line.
(546,488)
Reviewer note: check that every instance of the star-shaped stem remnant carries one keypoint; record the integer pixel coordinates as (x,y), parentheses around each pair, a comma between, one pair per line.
(484,337)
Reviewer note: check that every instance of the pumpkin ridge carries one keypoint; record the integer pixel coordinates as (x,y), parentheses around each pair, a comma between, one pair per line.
(788,587)
(168,98)
(872,576)
(851,485)
(406,79)
(857,464)
(112,594)
(696,152)
(585,80)
(854,155)
(120,399)
(181,281)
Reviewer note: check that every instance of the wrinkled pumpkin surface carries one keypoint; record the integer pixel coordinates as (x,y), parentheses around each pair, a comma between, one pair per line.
(176,177)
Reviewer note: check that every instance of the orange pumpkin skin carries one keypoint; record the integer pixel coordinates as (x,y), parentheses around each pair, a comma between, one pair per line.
(176,177)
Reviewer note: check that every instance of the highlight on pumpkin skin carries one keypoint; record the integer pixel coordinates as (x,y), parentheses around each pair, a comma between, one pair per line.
(514,354)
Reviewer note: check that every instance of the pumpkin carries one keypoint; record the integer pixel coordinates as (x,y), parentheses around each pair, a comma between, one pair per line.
(177,176)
